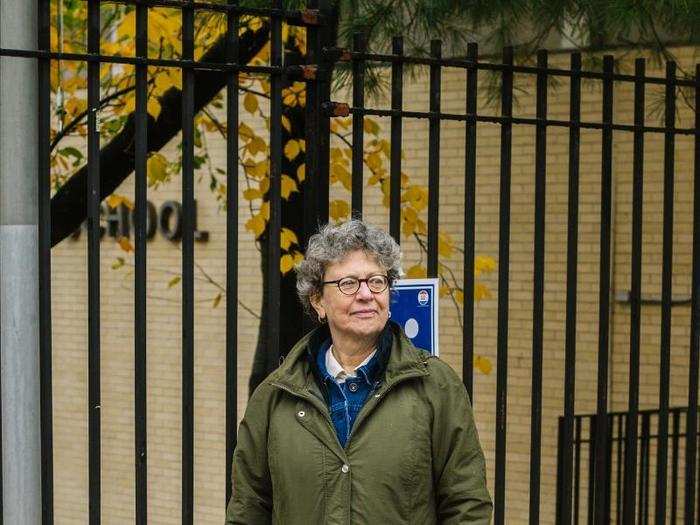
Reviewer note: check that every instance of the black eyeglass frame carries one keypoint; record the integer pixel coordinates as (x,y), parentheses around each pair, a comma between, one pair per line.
(359,283)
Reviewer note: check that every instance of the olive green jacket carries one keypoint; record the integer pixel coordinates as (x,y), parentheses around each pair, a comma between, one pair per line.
(413,455)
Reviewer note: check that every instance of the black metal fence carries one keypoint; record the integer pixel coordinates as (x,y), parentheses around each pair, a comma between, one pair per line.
(323,54)
(645,478)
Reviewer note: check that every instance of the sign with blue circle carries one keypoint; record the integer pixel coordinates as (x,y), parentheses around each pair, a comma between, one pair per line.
(414,305)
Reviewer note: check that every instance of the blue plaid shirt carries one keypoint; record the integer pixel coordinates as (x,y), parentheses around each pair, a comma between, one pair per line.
(346,399)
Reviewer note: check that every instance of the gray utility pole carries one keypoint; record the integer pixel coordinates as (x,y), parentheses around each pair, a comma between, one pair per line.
(19,271)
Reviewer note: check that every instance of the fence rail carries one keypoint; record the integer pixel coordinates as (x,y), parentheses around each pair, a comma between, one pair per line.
(605,429)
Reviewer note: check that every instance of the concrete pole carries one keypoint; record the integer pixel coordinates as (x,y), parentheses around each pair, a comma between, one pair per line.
(19,286)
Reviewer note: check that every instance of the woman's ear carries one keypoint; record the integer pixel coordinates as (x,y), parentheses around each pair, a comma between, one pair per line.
(318,307)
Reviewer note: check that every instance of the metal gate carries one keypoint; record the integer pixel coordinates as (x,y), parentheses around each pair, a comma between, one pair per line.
(80,199)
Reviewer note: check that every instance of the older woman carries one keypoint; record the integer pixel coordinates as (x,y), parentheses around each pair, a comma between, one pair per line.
(357,425)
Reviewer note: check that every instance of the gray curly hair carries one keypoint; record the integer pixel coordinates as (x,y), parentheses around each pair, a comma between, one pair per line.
(332,243)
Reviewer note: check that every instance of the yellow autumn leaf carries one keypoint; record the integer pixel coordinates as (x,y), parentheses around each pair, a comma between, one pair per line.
(256,145)
(287,238)
(445,245)
(483,364)
(172,282)
(256,224)
(338,210)
(416,196)
(445,290)
(286,263)
(484,264)
(481,291)
(371,126)
(286,124)
(291,149)
(301,172)
(118,263)
(153,107)
(250,103)
(416,272)
(264,185)
(217,300)
(373,161)
(410,217)
(459,296)
(129,104)
(252,194)
(125,244)
(114,200)
(341,173)
(298,257)
(289,186)
(265,210)
(257,170)
(157,169)
(245,131)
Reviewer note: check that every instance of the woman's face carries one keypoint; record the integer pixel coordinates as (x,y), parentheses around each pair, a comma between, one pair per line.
(362,314)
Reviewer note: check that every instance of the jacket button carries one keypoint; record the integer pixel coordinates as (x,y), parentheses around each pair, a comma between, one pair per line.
(301,413)
(345,469)
(353,387)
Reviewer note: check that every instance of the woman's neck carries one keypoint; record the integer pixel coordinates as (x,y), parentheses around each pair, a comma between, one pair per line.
(350,351)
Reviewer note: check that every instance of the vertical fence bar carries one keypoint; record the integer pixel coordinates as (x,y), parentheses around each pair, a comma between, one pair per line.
(538,287)
(231,242)
(691,422)
(592,432)
(140,361)
(396,140)
(644,471)
(619,474)
(604,290)
(188,265)
(560,449)
(469,222)
(571,275)
(93,200)
(635,295)
(359,45)
(326,38)
(666,290)
(577,473)
(44,200)
(674,465)
(313,115)
(275,195)
(503,273)
(434,159)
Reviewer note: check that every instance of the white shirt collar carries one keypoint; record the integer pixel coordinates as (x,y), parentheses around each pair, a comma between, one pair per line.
(336,371)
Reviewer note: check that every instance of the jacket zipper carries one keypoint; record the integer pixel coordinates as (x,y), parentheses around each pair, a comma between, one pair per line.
(366,409)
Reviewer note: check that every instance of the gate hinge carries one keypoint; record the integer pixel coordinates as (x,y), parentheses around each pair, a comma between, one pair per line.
(305,72)
(336,109)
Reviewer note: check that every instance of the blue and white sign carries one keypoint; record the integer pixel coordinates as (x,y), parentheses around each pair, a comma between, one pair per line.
(414,305)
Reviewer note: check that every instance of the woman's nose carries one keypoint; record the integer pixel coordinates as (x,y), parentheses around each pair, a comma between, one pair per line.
(364,292)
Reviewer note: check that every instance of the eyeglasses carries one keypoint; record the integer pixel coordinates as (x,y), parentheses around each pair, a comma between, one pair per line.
(351,285)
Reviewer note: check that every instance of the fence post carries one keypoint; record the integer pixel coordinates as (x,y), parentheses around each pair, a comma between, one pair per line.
(19,283)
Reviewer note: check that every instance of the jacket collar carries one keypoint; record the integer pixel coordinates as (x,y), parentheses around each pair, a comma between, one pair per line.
(398,359)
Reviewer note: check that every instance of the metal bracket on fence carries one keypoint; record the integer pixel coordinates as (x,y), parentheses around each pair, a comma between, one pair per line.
(304,72)
(335,109)
(337,54)
(306,17)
